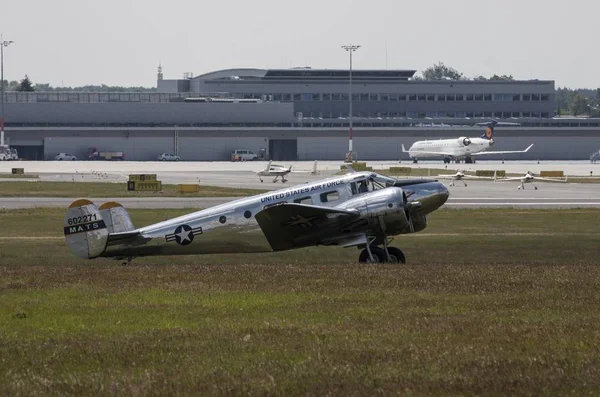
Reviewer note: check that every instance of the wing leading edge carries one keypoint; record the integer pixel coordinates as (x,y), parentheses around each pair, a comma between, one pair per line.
(503,152)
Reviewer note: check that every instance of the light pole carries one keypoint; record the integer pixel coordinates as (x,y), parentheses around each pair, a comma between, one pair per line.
(350,49)
(2,45)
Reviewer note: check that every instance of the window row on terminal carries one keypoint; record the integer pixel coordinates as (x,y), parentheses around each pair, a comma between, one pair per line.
(425,115)
(397,97)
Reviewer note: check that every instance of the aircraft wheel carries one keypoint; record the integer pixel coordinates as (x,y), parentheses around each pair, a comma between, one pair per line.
(397,255)
(378,255)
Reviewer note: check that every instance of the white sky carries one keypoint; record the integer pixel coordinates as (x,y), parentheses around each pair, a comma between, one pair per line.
(121,42)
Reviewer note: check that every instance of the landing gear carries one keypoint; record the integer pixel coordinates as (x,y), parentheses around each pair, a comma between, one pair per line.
(415,161)
(127,260)
(447,160)
(397,256)
(469,160)
(283,180)
(373,254)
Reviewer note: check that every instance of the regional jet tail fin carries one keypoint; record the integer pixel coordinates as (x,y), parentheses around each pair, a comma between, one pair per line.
(288,226)
(404,149)
(503,152)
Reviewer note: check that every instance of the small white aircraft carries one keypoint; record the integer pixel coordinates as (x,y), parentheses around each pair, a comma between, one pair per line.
(529,177)
(460,148)
(277,171)
(461,176)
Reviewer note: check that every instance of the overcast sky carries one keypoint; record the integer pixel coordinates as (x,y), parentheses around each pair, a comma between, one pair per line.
(121,42)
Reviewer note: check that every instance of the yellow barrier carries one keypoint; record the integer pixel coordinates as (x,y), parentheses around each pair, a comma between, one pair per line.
(192,188)
(490,173)
(357,166)
(142,177)
(144,186)
(400,170)
(18,171)
(552,174)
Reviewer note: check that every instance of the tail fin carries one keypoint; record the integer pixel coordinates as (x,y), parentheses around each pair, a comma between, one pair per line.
(85,231)
(404,149)
(116,218)
(489,133)
(314,170)
(269,165)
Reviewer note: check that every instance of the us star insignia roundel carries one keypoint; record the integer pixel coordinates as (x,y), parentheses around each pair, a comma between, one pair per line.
(183,234)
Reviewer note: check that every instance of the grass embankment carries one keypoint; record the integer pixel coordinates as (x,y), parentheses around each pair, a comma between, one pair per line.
(492,302)
(100,189)
(18,176)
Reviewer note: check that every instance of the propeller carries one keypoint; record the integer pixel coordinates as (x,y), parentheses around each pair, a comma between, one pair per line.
(411,209)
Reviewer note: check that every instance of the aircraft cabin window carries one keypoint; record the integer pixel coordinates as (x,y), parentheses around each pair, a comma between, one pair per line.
(353,188)
(304,200)
(330,196)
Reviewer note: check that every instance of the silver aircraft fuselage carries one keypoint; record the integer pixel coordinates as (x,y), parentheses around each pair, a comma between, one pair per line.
(232,227)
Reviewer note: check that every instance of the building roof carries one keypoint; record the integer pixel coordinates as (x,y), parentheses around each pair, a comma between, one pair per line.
(306,74)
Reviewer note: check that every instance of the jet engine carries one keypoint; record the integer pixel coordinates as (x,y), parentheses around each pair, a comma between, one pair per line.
(464,141)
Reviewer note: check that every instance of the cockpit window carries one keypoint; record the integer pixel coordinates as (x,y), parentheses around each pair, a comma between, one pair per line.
(381,182)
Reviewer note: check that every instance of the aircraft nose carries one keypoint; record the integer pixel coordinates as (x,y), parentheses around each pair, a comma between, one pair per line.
(442,194)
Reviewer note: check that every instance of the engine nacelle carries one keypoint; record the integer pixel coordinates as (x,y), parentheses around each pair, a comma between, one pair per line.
(384,210)
(464,141)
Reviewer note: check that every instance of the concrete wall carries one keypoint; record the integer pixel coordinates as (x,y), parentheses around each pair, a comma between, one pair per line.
(313,143)
(147,113)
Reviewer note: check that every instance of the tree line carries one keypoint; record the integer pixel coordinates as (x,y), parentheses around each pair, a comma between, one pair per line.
(25,85)
(568,101)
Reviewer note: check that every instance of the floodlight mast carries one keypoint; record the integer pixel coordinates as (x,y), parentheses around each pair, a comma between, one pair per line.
(3,44)
(350,155)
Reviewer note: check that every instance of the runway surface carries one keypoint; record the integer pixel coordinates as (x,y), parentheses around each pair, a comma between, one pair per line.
(243,175)
(477,194)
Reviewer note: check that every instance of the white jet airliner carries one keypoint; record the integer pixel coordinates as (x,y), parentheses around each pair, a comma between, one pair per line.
(458,148)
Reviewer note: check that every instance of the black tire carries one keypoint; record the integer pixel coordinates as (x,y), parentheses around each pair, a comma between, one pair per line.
(397,255)
(378,255)
(176,159)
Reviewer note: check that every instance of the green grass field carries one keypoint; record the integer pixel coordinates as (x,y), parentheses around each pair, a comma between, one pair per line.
(17,176)
(492,302)
(103,189)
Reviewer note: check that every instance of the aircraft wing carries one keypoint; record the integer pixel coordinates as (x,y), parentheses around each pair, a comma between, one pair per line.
(502,152)
(537,178)
(287,226)
(518,178)
(445,176)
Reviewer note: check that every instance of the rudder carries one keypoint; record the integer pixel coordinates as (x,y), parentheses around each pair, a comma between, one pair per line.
(116,218)
(85,230)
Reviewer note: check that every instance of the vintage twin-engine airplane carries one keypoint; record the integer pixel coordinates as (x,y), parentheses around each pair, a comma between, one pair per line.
(360,209)
(280,171)
(458,148)
(529,177)
(461,176)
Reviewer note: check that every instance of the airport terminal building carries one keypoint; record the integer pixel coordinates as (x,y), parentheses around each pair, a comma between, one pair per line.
(294,114)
